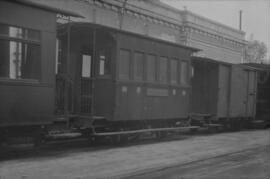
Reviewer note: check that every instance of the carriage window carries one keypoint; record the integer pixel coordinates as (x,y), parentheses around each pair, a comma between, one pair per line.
(19,60)
(19,33)
(86,66)
(151,68)
(124,62)
(184,72)
(163,69)
(104,63)
(20,53)
(138,66)
(173,71)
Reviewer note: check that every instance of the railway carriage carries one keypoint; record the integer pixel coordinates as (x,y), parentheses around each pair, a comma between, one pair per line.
(27,60)
(263,96)
(100,82)
(224,92)
(130,80)
(101,78)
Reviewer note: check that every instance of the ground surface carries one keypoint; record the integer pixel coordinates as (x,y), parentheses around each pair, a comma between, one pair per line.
(247,164)
(222,155)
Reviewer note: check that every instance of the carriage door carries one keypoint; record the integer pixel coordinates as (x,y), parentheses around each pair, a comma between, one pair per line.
(251,93)
(86,84)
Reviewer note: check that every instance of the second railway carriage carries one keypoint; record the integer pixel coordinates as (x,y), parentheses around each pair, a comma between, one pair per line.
(223,91)
(27,55)
(131,80)
(263,95)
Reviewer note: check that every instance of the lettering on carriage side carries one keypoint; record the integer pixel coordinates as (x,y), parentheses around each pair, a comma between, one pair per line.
(157,92)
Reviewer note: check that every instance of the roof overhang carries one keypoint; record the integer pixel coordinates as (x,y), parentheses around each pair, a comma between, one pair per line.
(46,8)
(209,60)
(92,25)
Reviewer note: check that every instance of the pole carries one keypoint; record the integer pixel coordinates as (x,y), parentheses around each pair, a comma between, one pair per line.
(240,20)
(66,84)
(93,71)
(122,14)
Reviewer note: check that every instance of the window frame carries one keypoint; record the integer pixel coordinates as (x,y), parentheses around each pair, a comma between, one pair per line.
(133,66)
(119,77)
(108,58)
(155,68)
(186,81)
(176,72)
(22,40)
(159,70)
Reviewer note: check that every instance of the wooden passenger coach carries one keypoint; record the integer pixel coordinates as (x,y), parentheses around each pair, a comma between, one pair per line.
(122,76)
(27,60)
(98,81)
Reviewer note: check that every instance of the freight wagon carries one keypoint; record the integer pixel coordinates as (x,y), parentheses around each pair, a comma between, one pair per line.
(223,92)
(263,95)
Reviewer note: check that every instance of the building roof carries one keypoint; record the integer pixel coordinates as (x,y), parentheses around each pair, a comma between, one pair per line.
(46,7)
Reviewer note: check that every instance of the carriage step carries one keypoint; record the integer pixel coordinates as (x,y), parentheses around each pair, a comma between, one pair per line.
(174,129)
(213,125)
(258,124)
(62,136)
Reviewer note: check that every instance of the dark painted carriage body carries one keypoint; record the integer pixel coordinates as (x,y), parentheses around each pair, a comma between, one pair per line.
(125,93)
(224,90)
(263,95)
(27,67)
(152,100)
(29,101)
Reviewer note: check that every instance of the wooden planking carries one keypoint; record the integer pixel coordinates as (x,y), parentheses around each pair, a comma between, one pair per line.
(154,100)
(251,101)
(239,92)
(223,90)
(204,87)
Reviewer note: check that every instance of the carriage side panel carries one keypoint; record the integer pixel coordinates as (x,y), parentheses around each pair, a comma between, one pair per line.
(27,95)
(140,98)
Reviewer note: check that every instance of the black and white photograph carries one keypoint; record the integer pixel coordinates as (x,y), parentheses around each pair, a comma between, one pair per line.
(134,89)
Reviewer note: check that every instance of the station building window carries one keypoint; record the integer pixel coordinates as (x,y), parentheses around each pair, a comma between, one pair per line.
(163,69)
(20,53)
(124,64)
(184,72)
(151,68)
(173,68)
(138,66)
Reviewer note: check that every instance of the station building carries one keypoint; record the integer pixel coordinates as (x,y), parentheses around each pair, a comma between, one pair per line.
(156,19)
